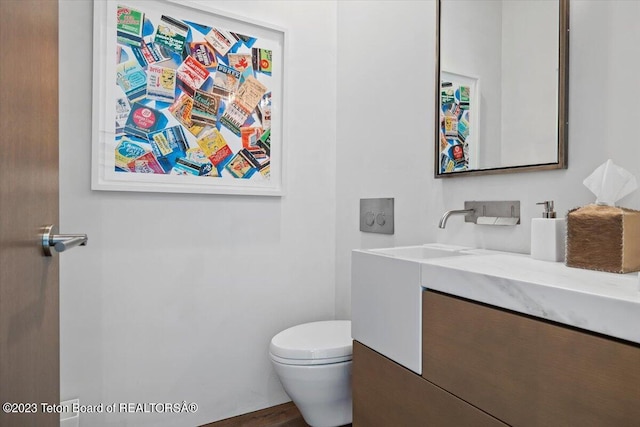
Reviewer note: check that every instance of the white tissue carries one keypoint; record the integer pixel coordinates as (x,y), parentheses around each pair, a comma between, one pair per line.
(610,183)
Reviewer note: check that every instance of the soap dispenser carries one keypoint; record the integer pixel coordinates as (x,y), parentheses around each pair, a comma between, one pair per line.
(548,235)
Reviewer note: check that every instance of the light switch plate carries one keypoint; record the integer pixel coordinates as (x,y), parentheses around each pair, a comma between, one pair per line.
(376,215)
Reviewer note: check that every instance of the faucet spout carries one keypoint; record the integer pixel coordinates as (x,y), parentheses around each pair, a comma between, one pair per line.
(447,214)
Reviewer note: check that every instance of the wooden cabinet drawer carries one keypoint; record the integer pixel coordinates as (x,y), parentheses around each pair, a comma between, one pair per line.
(528,372)
(386,394)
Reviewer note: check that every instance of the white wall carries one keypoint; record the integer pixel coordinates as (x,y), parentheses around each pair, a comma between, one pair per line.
(161,305)
(177,295)
(395,158)
(385,124)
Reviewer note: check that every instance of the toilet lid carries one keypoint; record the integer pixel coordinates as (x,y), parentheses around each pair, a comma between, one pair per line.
(312,341)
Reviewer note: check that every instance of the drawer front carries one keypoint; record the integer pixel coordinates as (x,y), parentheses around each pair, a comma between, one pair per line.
(528,372)
(387,394)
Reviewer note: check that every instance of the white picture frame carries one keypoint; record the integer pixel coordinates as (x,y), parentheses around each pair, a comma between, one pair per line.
(187,168)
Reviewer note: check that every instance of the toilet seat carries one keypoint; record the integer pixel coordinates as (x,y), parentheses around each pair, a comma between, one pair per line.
(315,343)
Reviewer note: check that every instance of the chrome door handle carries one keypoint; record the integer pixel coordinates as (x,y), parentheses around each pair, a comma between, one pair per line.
(52,242)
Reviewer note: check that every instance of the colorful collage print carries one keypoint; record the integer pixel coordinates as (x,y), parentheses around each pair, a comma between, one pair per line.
(192,99)
(455,124)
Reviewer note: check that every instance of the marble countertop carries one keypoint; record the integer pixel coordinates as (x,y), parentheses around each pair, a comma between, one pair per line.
(605,303)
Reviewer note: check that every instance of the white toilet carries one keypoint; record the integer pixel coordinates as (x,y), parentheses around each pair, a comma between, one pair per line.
(313,361)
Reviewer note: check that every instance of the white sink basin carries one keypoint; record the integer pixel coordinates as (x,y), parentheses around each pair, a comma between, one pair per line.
(414,253)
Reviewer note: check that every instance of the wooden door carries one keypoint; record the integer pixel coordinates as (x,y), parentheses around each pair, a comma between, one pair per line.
(29,320)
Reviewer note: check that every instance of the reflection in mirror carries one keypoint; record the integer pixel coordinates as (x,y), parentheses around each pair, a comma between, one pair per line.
(503,90)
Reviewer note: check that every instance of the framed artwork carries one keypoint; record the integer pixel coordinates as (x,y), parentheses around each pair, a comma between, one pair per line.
(459,122)
(186,99)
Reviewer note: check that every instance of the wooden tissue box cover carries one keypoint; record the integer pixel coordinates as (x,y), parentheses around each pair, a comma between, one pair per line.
(603,238)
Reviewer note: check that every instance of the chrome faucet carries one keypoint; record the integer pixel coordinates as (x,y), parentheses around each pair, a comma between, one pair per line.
(447,214)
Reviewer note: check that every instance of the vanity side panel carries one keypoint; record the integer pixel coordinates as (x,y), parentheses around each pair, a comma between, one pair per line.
(386,394)
(528,372)
(386,307)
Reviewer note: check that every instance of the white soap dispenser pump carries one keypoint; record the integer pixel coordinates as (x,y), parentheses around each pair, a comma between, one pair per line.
(548,235)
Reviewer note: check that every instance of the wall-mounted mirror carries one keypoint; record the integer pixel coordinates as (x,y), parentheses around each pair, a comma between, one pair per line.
(502,86)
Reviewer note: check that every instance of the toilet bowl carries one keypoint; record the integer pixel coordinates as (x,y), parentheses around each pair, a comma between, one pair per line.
(313,362)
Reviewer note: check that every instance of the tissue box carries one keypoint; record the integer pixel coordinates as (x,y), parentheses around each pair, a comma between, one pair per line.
(603,238)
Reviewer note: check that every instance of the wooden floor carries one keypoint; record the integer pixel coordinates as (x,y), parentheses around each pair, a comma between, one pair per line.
(285,415)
